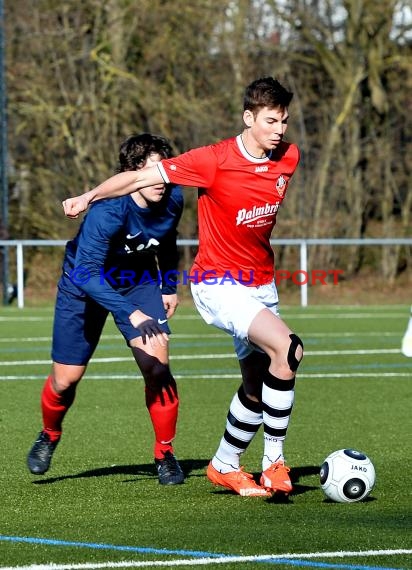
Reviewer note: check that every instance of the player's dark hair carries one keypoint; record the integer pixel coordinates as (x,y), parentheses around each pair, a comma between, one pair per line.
(266,92)
(136,149)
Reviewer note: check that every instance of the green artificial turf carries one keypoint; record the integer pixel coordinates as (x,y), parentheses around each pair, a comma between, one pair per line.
(101,503)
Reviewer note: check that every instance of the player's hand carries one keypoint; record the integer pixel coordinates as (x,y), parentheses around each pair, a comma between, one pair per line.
(74,206)
(149,328)
(170,303)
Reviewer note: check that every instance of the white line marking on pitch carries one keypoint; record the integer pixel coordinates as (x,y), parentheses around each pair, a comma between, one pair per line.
(303,316)
(206,561)
(212,356)
(224,376)
(118,337)
(181,336)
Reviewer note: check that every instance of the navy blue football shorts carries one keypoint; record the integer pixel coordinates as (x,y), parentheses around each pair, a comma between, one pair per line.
(79,320)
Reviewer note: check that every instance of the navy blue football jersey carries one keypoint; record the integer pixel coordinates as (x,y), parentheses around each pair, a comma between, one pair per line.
(121,245)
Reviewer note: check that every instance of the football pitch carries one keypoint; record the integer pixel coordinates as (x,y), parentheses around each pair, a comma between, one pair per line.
(101,506)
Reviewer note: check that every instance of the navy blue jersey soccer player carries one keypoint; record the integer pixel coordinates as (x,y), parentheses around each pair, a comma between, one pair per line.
(123,261)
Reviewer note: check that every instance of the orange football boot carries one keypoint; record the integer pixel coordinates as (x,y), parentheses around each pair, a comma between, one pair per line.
(238,481)
(276,478)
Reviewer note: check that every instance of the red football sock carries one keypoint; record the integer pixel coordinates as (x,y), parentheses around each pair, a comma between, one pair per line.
(54,407)
(163,409)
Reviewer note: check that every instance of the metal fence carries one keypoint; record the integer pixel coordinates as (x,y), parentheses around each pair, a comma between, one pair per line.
(301,273)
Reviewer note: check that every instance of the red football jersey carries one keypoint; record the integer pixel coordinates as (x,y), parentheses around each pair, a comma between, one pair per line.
(239,196)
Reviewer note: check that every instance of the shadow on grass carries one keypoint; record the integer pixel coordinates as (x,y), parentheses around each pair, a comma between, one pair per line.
(146,470)
(367,499)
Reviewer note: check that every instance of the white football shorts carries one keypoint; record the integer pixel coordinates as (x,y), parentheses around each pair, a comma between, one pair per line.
(232,307)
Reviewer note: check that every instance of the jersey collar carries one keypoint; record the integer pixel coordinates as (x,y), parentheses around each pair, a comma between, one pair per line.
(249,156)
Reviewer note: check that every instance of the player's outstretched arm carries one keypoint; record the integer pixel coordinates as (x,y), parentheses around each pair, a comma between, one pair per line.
(74,206)
(115,186)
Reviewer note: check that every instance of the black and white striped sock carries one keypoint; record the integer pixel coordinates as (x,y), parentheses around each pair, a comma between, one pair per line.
(243,421)
(277,399)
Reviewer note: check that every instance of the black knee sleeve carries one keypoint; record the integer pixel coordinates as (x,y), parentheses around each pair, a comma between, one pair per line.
(295,343)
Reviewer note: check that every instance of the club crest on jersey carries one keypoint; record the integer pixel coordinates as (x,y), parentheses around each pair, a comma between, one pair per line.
(281,185)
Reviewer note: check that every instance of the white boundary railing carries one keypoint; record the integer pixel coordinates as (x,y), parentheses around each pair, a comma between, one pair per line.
(302,243)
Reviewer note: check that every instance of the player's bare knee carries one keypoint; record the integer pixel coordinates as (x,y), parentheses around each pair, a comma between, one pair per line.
(61,385)
(295,352)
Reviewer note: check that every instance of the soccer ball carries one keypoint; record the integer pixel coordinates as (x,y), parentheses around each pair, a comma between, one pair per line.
(347,476)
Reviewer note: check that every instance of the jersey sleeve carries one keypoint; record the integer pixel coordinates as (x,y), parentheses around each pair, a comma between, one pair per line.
(196,167)
(102,222)
(168,253)
(168,260)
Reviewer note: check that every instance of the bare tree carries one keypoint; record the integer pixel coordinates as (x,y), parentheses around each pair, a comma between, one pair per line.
(83,75)
(350,47)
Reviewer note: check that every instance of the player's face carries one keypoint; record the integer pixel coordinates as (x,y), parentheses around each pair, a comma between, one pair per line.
(151,194)
(266,130)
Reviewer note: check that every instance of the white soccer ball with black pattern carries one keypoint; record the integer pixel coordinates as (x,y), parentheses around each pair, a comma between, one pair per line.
(347,476)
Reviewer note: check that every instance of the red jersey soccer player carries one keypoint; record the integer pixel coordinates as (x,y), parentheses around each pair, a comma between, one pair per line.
(242,182)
